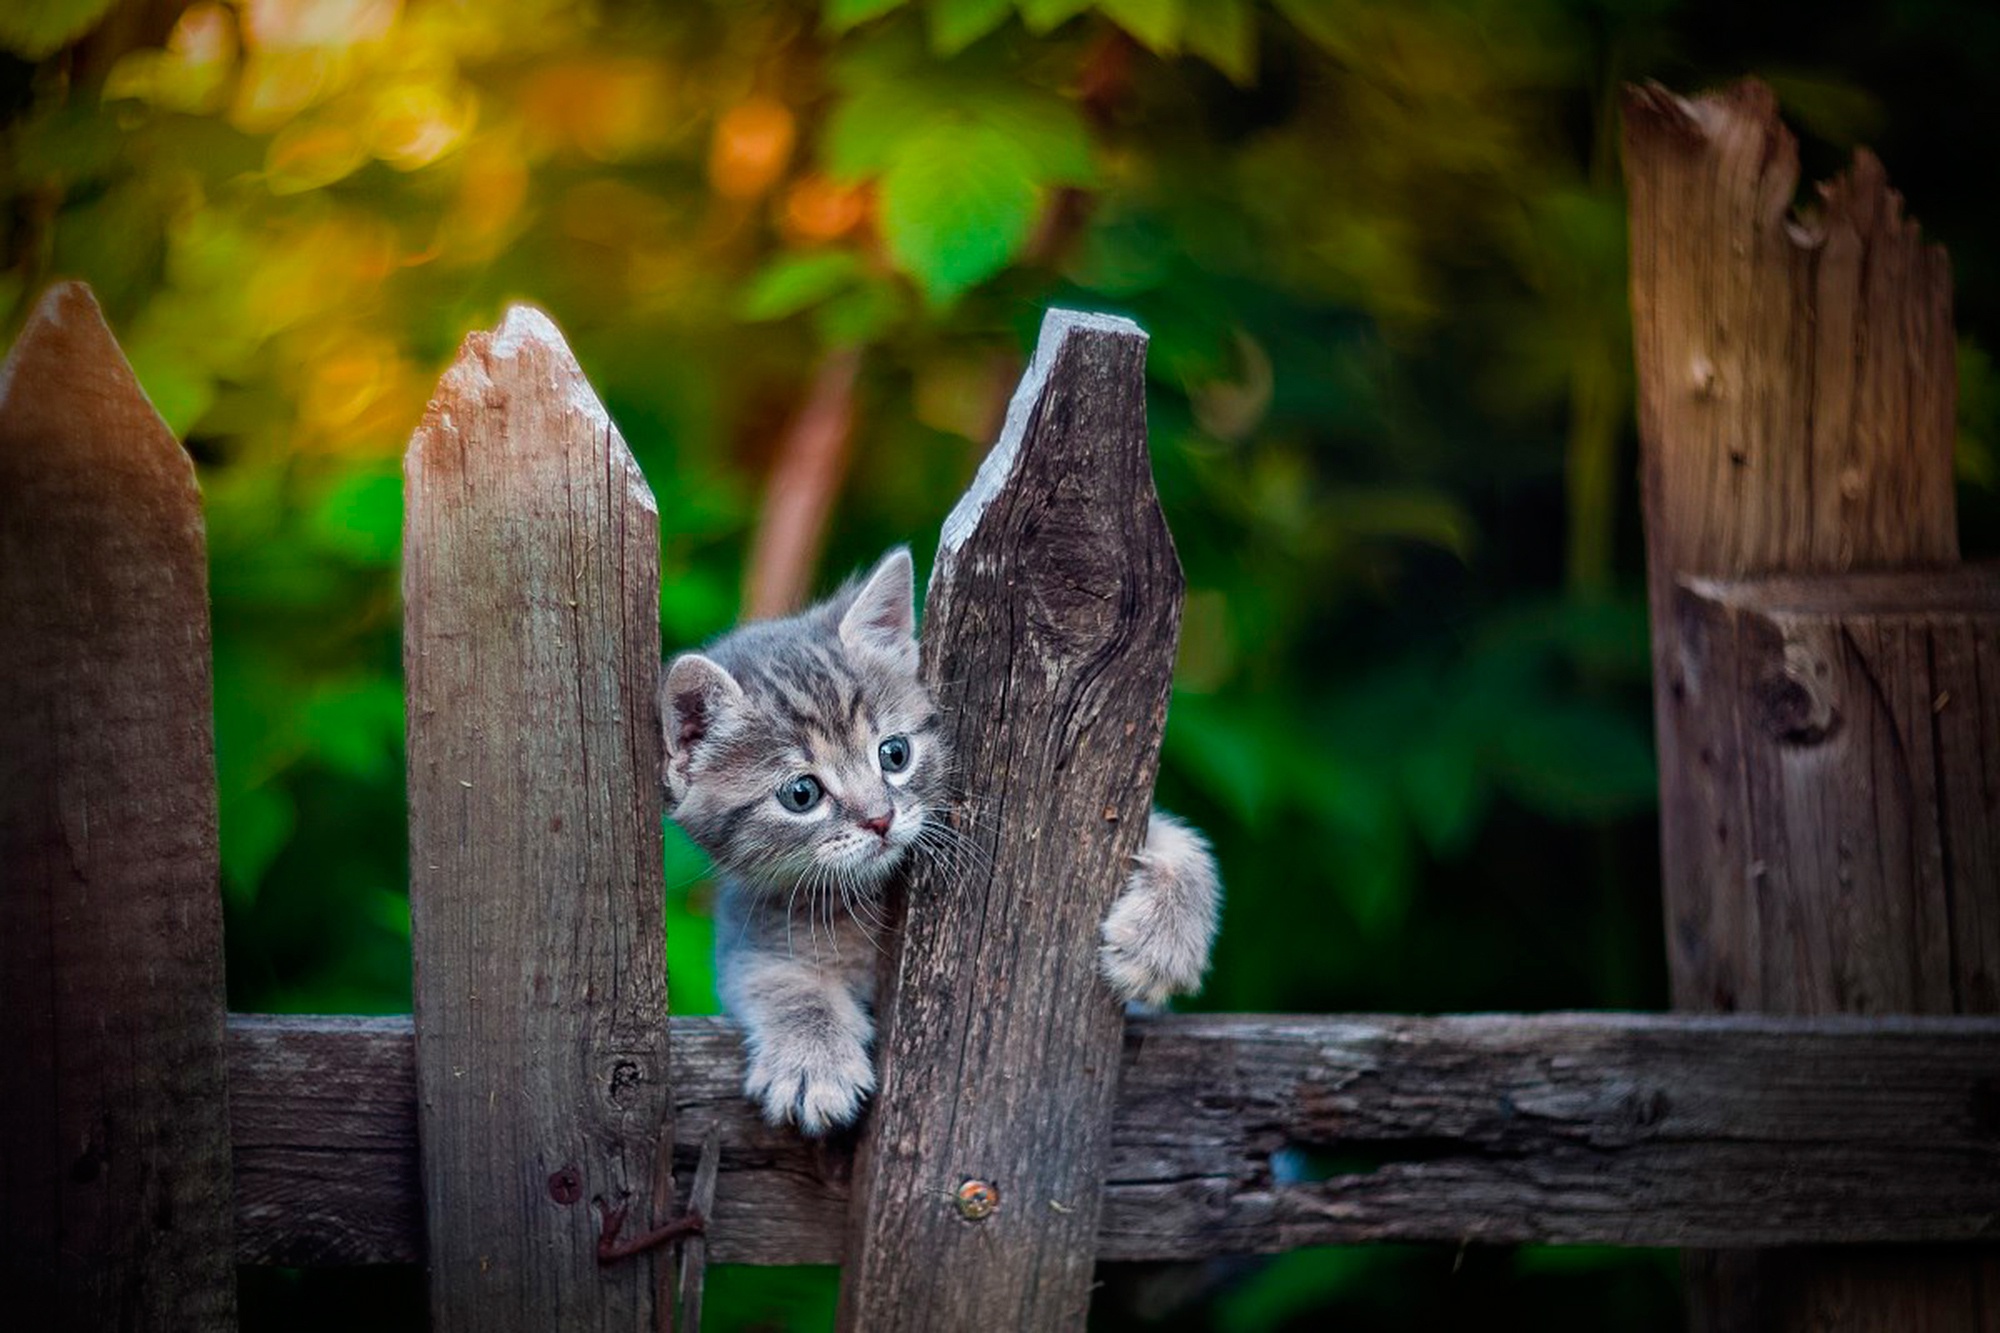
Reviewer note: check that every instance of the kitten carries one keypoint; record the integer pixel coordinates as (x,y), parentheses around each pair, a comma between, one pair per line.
(804,756)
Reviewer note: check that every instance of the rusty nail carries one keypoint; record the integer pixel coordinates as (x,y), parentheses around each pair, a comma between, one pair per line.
(976,1200)
(610,1248)
(566,1186)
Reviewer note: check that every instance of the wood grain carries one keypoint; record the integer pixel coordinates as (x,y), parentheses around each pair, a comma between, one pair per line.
(531,656)
(1627,1129)
(1797,389)
(114,1142)
(1049,637)
(1853,736)
(323,1115)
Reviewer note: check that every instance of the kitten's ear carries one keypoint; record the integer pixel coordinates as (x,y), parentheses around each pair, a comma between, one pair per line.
(883,615)
(695,694)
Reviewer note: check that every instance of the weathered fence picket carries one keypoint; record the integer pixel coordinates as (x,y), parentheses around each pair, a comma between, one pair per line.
(1049,636)
(114,1137)
(1830,779)
(1827,793)
(1855,724)
(531,657)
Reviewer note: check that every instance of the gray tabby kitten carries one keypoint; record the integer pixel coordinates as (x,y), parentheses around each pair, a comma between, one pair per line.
(804,756)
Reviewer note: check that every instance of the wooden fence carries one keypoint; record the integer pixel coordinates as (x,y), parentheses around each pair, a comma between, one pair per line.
(1830,747)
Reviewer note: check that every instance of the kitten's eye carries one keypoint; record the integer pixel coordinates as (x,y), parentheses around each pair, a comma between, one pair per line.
(801,794)
(895,754)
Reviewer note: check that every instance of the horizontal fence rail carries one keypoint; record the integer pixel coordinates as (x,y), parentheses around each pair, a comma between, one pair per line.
(1625,1129)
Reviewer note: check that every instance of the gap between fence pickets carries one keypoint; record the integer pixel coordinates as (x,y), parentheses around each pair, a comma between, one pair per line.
(1621,1129)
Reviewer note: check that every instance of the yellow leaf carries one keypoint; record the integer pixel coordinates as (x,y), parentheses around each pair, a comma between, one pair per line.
(310,154)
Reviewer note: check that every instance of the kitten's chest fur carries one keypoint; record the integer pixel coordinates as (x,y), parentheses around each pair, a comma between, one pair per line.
(840,941)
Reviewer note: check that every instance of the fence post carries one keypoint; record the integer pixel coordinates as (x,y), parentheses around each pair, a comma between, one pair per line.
(1049,636)
(531,656)
(1820,759)
(114,1132)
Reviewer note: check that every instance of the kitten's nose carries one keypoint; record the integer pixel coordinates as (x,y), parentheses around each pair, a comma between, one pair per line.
(879,824)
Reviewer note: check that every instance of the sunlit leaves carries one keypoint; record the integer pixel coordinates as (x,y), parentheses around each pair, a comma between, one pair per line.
(254,824)
(750,147)
(414,123)
(309,155)
(957,203)
(1041,16)
(850,303)
(1156,23)
(840,15)
(192,74)
(32,29)
(794,282)
(1224,32)
(963,162)
(957,24)
(360,517)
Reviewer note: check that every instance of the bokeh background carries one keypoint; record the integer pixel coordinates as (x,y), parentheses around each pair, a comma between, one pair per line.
(1379,245)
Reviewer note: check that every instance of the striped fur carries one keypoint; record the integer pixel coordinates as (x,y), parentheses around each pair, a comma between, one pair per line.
(798,917)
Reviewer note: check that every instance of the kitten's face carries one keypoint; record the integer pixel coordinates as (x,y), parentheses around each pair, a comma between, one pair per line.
(807,747)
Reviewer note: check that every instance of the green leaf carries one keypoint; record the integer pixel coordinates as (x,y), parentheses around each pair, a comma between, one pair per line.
(254,824)
(793,283)
(1443,787)
(354,726)
(1289,1288)
(361,517)
(1046,128)
(859,316)
(1225,752)
(1224,33)
(690,934)
(1369,866)
(1155,24)
(957,205)
(840,15)
(957,24)
(1042,16)
(694,605)
(33,29)
(180,388)
(1324,21)
(890,101)
(1573,761)
(1406,514)
(872,124)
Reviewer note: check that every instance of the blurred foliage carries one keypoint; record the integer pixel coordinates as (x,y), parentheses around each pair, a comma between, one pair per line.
(1379,245)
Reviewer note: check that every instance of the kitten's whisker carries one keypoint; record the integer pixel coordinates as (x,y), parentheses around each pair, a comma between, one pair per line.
(812,908)
(789,917)
(948,859)
(865,896)
(959,854)
(695,878)
(848,894)
(832,933)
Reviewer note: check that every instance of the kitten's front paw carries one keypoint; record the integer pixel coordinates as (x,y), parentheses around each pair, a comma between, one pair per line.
(819,1086)
(1158,934)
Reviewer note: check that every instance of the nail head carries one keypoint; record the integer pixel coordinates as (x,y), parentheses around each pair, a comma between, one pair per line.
(976,1200)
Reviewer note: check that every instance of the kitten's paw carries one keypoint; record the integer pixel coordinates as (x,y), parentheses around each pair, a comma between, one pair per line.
(1158,934)
(818,1086)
